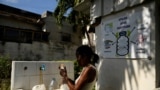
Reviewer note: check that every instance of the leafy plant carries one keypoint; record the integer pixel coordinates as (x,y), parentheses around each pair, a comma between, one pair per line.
(76,18)
(5,72)
(5,67)
(77,69)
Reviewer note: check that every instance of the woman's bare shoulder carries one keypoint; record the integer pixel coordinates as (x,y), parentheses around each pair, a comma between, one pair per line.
(91,73)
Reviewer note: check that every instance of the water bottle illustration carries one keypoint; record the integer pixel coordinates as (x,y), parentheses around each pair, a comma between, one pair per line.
(122,47)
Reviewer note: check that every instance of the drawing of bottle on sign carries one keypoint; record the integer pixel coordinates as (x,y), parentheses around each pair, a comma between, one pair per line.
(122,47)
(122,34)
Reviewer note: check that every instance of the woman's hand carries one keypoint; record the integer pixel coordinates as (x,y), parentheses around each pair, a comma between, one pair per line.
(63,72)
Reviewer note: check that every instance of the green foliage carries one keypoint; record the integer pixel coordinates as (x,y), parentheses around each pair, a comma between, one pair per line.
(77,69)
(62,7)
(74,17)
(77,19)
(5,67)
(77,2)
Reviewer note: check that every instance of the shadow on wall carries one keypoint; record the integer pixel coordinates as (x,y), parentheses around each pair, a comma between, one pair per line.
(129,74)
(123,74)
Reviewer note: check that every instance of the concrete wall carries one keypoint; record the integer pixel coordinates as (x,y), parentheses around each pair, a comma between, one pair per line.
(59,49)
(38,51)
(22,51)
(26,74)
(54,49)
(57,31)
(125,73)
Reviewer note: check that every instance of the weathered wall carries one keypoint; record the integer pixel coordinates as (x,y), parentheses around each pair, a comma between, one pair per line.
(59,49)
(55,49)
(125,73)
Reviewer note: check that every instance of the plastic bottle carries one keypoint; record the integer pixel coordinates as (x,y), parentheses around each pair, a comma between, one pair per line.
(51,86)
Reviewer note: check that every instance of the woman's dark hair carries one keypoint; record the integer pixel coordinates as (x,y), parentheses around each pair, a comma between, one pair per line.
(87,51)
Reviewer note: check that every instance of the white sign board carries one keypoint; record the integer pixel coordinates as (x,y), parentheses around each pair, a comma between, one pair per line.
(127,36)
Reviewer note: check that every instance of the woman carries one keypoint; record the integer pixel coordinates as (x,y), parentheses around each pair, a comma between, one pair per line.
(86,58)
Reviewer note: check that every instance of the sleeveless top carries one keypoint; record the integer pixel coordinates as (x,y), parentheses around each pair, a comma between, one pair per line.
(88,86)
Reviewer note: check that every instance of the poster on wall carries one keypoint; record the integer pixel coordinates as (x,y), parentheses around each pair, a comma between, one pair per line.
(127,36)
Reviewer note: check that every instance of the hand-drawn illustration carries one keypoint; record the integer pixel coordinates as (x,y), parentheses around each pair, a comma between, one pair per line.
(108,44)
(124,37)
(122,47)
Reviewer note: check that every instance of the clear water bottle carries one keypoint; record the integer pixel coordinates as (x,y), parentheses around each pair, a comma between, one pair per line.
(51,86)
(122,47)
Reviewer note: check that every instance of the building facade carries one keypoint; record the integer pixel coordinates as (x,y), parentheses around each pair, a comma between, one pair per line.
(32,37)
